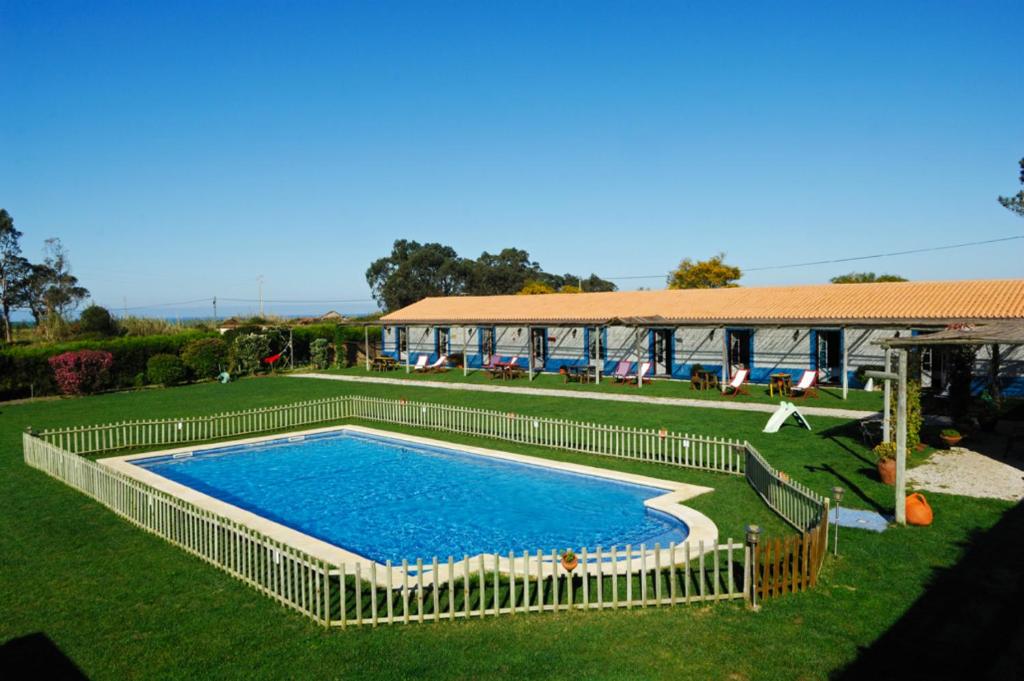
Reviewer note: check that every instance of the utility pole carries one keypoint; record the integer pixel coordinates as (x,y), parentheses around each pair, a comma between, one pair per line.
(259,280)
(215,309)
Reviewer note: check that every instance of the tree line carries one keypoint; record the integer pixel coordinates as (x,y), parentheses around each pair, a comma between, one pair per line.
(46,289)
(413,271)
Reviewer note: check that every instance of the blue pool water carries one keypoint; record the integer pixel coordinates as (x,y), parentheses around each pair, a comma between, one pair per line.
(386,499)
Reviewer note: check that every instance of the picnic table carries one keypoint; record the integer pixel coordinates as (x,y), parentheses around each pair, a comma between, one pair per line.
(383,363)
(704,380)
(580,374)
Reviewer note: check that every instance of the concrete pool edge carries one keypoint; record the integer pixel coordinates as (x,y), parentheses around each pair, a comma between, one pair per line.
(702,531)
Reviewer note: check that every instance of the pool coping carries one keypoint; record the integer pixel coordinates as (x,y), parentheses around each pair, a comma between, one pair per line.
(703,531)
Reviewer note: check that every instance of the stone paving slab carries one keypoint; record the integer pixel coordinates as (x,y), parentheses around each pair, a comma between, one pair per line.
(580,394)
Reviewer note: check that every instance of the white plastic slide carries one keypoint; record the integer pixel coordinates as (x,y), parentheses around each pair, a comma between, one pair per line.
(785,410)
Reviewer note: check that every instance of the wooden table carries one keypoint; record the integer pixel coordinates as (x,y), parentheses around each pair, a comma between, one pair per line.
(704,380)
(383,363)
(781,382)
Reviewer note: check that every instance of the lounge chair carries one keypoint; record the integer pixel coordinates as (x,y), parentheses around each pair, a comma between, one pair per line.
(642,375)
(440,365)
(421,363)
(739,379)
(808,385)
(621,373)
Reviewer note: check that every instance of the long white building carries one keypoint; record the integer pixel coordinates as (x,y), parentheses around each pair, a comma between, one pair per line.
(832,328)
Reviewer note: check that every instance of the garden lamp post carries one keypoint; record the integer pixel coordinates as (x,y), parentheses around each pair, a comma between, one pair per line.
(837,494)
(753,537)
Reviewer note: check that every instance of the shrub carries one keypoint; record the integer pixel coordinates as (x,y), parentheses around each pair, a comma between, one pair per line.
(248,351)
(914,416)
(885,450)
(97,320)
(140,380)
(165,369)
(25,370)
(82,372)
(320,353)
(206,357)
(949,432)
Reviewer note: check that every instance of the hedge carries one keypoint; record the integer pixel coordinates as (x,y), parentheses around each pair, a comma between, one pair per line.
(25,370)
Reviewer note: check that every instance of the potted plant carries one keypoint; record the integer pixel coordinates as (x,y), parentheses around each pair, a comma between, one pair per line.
(569,560)
(886,453)
(951,436)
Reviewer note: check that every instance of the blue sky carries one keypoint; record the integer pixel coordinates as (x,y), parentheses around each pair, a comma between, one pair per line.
(180,150)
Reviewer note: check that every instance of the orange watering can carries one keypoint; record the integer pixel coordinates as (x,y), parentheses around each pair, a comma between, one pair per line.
(918,510)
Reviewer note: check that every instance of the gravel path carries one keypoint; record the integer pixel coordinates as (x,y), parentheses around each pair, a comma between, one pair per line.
(611,397)
(962,471)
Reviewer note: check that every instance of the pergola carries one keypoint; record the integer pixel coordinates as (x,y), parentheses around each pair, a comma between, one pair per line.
(994,333)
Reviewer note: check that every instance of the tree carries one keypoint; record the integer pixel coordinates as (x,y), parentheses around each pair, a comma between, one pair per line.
(865,278)
(710,273)
(534,288)
(61,293)
(14,271)
(569,288)
(503,273)
(1015,203)
(415,271)
(96,319)
(591,284)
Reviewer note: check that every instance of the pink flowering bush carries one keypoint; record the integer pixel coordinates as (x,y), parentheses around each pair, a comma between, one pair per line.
(82,371)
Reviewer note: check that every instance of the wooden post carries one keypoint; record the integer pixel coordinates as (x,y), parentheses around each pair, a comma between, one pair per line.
(529,351)
(901,440)
(993,375)
(725,357)
(597,360)
(886,399)
(366,345)
(291,347)
(408,349)
(846,357)
(465,346)
(636,348)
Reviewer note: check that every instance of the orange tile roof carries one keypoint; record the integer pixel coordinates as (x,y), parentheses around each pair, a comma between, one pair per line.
(916,301)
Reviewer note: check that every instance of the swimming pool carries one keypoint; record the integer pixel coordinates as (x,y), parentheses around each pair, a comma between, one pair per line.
(393,498)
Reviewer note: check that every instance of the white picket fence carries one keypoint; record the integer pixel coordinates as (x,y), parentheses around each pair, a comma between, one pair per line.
(428,590)
(797,504)
(643,444)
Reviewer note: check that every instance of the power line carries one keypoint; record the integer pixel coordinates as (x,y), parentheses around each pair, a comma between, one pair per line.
(887,255)
(298,302)
(179,304)
(850,259)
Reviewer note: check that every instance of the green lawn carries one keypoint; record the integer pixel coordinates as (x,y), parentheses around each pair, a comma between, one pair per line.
(123,604)
(828,396)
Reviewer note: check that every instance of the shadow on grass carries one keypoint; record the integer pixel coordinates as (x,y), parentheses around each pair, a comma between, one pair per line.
(967,624)
(849,485)
(38,658)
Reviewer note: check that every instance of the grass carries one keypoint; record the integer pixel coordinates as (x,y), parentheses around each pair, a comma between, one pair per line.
(829,396)
(120,603)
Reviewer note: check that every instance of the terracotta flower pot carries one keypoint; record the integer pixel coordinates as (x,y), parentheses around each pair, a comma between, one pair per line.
(887,471)
(570,563)
(951,440)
